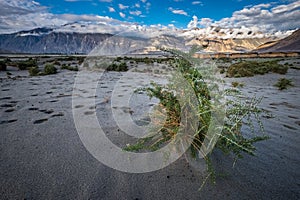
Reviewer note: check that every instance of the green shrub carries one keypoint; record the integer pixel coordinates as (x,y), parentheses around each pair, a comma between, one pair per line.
(230,139)
(64,66)
(122,67)
(236,84)
(23,65)
(34,71)
(251,68)
(283,83)
(49,69)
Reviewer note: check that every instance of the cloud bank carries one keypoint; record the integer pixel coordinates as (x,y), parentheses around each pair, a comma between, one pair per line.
(265,17)
(16,15)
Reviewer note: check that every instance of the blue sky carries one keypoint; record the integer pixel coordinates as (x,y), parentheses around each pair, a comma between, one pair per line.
(268,15)
(177,12)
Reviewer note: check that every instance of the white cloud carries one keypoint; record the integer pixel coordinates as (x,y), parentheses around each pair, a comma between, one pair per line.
(177,11)
(87,18)
(15,7)
(76,0)
(111,9)
(136,13)
(123,7)
(265,17)
(147,6)
(279,17)
(205,22)
(193,23)
(107,1)
(137,5)
(27,15)
(286,8)
(144,1)
(19,15)
(122,15)
(197,3)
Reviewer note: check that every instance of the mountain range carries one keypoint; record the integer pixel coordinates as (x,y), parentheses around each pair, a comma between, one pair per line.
(83,39)
(288,44)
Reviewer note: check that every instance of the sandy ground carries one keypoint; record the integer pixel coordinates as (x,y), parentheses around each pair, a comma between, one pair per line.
(42,156)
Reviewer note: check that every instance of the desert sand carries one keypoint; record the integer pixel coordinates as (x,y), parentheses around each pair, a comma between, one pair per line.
(42,156)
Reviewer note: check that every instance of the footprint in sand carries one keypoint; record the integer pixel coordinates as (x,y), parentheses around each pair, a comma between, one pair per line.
(57,115)
(79,106)
(39,121)
(89,112)
(46,111)
(289,127)
(33,109)
(288,105)
(10,110)
(7,105)
(5,98)
(53,101)
(92,107)
(292,117)
(8,121)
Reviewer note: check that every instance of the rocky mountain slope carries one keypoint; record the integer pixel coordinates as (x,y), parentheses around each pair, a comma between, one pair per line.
(81,39)
(229,45)
(48,41)
(290,43)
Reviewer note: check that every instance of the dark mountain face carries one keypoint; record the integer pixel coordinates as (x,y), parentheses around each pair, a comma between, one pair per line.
(290,43)
(47,41)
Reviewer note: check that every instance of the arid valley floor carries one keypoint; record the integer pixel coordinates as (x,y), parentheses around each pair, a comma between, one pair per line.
(42,156)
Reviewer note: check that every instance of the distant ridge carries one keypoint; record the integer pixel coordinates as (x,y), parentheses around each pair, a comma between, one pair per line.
(288,44)
(81,38)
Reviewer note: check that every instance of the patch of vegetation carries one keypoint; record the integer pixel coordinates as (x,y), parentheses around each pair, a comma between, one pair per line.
(284,83)
(121,67)
(68,67)
(225,59)
(80,59)
(222,71)
(136,147)
(145,60)
(50,69)
(2,66)
(24,65)
(238,112)
(237,84)
(251,68)
(56,62)
(68,58)
(34,71)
